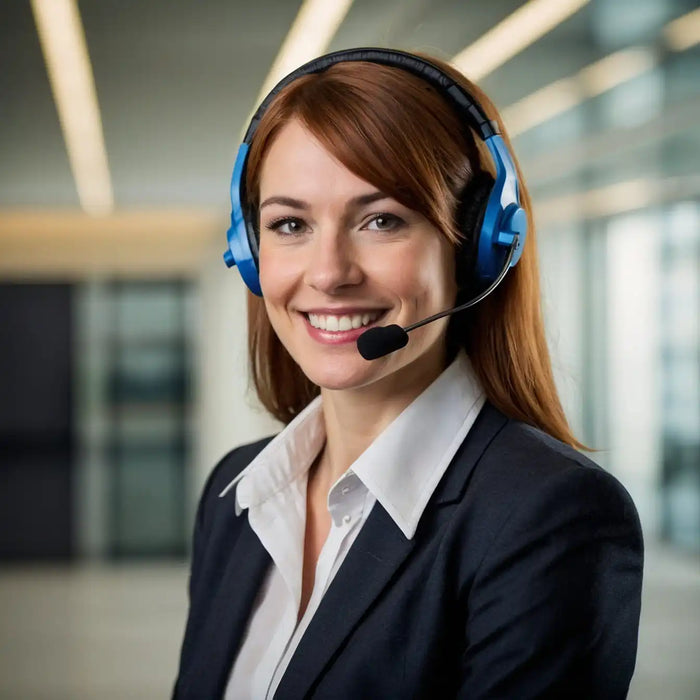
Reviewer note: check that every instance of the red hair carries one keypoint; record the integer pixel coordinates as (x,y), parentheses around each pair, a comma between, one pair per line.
(395,131)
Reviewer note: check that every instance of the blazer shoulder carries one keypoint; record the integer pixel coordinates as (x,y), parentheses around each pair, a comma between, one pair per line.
(523,466)
(531,456)
(230,466)
(550,572)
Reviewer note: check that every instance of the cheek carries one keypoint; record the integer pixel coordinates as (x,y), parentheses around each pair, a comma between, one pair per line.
(277,273)
(425,275)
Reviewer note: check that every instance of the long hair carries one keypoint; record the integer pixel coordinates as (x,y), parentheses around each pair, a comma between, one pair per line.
(395,131)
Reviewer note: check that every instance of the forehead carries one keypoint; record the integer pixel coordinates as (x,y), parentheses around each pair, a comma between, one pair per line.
(296,162)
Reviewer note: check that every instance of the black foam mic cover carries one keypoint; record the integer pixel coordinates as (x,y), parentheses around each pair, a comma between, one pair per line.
(380,341)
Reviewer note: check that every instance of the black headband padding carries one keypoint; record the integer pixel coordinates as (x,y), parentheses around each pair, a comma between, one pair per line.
(442,82)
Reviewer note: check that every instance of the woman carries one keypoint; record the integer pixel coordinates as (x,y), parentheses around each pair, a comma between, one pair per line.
(422,527)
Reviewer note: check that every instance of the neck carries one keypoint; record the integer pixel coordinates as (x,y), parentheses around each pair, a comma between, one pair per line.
(355,417)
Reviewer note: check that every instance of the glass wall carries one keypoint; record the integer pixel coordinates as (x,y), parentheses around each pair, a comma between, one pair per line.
(134,417)
(680,370)
(617,197)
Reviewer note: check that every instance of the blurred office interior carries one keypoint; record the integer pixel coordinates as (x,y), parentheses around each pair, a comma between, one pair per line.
(123,366)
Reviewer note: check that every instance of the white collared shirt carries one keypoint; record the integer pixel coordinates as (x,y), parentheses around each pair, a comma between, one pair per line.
(400,470)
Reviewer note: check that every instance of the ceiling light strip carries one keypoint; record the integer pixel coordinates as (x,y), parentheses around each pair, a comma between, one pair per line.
(516,32)
(598,77)
(683,32)
(616,198)
(551,164)
(65,51)
(564,94)
(309,36)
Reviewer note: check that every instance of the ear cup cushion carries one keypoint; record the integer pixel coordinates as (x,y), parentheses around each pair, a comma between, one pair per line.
(470,215)
(253,237)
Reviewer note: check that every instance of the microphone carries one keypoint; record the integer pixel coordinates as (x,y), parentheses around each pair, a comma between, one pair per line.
(382,340)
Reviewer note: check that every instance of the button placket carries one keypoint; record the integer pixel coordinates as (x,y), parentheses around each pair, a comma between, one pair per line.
(343,502)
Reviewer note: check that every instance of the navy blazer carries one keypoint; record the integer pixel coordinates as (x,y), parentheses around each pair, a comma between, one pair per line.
(522,581)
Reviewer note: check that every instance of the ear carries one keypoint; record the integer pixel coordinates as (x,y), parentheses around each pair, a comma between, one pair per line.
(470,215)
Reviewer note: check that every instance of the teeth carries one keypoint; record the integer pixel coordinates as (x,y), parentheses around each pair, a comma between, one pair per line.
(342,323)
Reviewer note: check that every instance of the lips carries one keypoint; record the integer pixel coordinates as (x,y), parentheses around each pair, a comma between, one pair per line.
(340,326)
(342,322)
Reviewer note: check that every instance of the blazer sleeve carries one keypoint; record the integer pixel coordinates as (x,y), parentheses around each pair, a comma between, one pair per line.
(554,608)
(228,467)
(198,533)
(198,543)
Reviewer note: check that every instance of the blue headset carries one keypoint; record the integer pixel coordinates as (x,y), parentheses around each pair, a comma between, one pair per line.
(496,215)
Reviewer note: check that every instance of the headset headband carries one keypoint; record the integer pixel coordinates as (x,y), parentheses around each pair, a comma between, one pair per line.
(420,67)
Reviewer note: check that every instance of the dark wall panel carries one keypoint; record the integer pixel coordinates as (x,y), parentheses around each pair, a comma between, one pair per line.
(36,420)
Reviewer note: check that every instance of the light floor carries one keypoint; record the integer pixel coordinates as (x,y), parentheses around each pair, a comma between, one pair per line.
(115,631)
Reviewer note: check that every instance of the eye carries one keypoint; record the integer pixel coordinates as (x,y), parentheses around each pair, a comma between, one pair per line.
(287,226)
(384,222)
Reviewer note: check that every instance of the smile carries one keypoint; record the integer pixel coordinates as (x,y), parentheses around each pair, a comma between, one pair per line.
(347,322)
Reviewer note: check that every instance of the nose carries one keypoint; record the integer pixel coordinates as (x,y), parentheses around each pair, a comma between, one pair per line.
(332,263)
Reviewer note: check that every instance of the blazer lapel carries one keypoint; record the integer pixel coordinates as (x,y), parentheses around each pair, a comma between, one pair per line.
(227,616)
(378,551)
(373,559)
(487,425)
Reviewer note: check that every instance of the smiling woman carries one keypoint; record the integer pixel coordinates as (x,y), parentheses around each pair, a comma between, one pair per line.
(420,528)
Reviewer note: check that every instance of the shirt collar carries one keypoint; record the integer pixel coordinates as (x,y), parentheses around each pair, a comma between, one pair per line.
(401,468)
(404,465)
(286,457)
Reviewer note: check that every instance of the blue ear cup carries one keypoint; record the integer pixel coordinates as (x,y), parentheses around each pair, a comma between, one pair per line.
(242,248)
(503,224)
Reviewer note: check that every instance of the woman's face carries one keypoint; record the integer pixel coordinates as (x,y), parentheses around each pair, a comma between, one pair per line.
(337,257)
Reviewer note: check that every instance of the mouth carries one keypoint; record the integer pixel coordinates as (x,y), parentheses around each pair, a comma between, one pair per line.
(340,323)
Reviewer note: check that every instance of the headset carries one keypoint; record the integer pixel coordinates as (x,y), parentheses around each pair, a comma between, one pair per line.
(491,210)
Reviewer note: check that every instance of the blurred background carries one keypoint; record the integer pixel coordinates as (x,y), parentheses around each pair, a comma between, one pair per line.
(123,371)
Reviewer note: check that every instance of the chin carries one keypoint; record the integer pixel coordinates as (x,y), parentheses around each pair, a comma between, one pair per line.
(338,375)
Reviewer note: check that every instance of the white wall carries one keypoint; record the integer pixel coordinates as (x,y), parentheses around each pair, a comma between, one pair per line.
(228,414)
(561,272)
(633,352)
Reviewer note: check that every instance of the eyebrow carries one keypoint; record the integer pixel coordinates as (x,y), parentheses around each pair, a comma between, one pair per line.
(359,201)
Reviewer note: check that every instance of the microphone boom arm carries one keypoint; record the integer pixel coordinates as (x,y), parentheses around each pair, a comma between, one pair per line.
(476,299)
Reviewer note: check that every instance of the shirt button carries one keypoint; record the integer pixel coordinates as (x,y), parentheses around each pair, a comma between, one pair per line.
(347,519)
(345,490)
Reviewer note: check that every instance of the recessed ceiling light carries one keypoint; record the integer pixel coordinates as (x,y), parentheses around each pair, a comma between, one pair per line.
(566,93)
(68,64)
(309,36)
(683,32)
(516,32)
